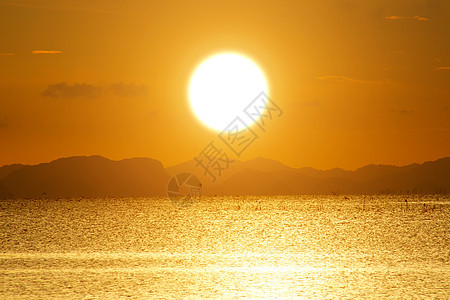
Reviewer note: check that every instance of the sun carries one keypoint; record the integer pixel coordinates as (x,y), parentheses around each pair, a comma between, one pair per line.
(222,86)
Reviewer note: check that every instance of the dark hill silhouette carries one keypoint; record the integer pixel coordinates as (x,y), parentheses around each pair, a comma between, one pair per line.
(302,184)
(323,174)
(95,176)
(372,172)
(369,172)
(5,193)
(237,166)
(252,182)
(190,167)
(430,177)
(5,170)
(92,176)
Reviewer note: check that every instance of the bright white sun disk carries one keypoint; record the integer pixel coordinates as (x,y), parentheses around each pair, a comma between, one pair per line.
(222,86)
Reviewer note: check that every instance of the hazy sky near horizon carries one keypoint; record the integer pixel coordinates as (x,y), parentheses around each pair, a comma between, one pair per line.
(359,81)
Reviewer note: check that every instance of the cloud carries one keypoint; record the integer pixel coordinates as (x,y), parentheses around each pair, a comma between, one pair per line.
(62,89)
(442,68)
(417,18)
(46,52)
(421,18)
(7,54)
(402,111)
(394,18)
(347,79)
(129,90)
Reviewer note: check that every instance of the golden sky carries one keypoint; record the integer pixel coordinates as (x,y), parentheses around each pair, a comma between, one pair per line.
(359,81)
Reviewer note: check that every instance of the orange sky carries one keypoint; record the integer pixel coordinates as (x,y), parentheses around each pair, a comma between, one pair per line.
(359,81)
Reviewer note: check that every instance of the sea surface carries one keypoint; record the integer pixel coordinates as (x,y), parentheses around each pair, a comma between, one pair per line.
(304,247)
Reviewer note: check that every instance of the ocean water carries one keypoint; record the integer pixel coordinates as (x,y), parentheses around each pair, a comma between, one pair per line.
(301,247)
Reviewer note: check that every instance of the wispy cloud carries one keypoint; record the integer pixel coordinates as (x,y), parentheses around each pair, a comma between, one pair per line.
(46,52)
(7,54)
(129,90)
(442,68)
(348,79)
(63,90)
(416,18)
(421,18)
(394,18)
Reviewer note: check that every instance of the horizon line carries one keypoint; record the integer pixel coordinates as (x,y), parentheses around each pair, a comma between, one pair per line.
(258,157)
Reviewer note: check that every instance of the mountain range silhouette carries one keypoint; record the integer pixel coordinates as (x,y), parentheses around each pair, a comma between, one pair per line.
(96,176)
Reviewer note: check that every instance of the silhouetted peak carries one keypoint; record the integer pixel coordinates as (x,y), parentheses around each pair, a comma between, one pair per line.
(266,163)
